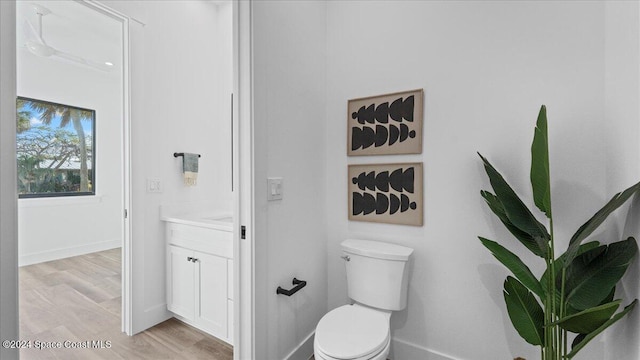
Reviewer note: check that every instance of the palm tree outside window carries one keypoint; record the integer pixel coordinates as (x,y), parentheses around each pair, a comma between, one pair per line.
(55,149)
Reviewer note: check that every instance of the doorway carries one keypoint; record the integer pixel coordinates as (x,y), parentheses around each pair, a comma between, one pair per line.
(72,151)
(143,311)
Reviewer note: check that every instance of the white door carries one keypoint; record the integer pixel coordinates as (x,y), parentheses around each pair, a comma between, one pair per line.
(180,282)
(211,305)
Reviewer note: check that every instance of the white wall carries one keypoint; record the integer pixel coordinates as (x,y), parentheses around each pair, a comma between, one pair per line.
(8,197)
(223,74)
(486,67)
(174,101)
(622,82)
(622,131)
(53,228)
(289,120)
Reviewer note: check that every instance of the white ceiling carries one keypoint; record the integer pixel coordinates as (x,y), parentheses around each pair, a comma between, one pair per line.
(73,28)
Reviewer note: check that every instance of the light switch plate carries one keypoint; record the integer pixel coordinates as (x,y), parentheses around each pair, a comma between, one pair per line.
(275,188)
(154,185)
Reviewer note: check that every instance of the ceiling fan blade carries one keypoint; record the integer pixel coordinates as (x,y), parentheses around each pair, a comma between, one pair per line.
(68,56)
(36,45)
(81,60)
(99,66)
(40,49)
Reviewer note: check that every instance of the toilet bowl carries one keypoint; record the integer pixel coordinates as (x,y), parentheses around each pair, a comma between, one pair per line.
(353,332)
(377,281)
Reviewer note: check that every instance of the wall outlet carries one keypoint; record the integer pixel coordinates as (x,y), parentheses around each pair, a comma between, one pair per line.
(275,188)
(154,185)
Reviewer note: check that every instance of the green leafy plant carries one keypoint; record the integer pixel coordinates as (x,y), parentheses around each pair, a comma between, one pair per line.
(575,294)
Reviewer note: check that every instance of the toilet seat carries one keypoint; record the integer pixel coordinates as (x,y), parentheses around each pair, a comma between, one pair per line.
(353,332)
(382,355)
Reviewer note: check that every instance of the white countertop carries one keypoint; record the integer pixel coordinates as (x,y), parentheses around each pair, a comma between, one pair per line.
(223,222)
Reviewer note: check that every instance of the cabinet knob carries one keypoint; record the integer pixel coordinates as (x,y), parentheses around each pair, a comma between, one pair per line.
(189,258)
(195,260)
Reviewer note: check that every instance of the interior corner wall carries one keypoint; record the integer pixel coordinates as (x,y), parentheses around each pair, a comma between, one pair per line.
(485,67)
(8,198)
(174,94)
(289,92)
(622,132)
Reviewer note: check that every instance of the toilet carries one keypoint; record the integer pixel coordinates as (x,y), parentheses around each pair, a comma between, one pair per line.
(377,283)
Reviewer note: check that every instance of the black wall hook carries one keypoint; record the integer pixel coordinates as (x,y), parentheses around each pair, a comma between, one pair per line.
(299,284)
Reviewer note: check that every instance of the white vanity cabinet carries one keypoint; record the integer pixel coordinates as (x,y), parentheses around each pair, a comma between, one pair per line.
(181,282)
(200,277)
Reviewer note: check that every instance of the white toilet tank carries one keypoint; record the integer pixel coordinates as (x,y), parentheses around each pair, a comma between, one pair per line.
(377,273)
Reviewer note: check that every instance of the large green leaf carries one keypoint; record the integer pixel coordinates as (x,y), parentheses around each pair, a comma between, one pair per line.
(559,262)
(540,165)
(589,320)
(524,311)
(513,263)
(571,311)
(583,339)
(529,242)
(591,276)
(516,211)
(590,226)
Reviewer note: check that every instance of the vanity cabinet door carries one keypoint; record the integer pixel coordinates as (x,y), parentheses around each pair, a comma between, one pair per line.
(211,304)
(180,281)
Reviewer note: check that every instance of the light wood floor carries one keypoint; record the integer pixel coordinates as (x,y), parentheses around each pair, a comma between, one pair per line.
(78,299)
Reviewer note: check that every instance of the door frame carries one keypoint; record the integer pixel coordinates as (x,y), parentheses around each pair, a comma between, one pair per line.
(243,198)
(9,326)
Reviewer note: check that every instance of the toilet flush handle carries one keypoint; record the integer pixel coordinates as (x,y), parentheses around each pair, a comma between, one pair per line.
(346,257)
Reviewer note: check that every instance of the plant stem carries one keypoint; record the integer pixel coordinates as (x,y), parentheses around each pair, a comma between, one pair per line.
(563,310)
(548,310)
(552,279)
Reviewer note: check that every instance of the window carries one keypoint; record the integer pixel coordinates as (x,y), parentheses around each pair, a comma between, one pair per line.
(55,149)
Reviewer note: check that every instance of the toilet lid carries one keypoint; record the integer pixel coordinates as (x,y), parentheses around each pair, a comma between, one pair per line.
(351,332)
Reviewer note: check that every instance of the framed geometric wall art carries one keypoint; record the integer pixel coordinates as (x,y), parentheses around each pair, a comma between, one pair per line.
(386,193)
(385,124)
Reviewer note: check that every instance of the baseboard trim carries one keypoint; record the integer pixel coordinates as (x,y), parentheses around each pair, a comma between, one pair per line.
(401,349)
(57,254)
(304,350)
